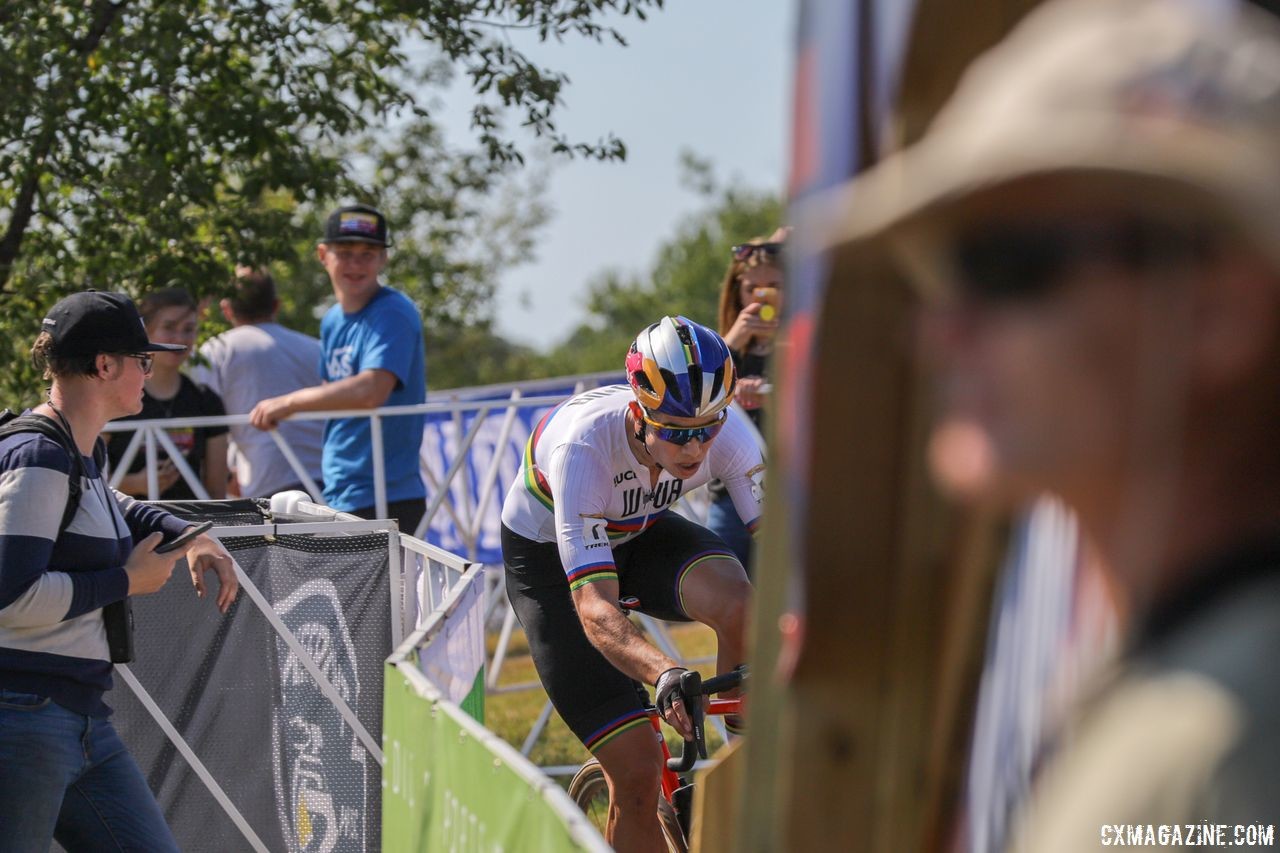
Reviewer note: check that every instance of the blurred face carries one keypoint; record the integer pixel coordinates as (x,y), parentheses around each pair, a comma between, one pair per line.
(761,284)
(1037,377)
(681,460)
(173,325)
(353,267)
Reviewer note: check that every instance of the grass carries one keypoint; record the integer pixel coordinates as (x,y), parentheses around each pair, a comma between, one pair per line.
(512,715)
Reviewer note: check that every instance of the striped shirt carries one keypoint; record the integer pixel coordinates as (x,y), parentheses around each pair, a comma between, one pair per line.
(52,588)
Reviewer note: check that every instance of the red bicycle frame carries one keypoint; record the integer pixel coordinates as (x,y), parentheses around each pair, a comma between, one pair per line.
(670,779)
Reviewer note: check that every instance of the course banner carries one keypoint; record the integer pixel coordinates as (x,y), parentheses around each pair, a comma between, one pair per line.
(256,715)
(453,659)
(449,784)
(494,452)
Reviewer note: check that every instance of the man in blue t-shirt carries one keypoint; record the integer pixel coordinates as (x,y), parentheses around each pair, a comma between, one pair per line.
(372,356)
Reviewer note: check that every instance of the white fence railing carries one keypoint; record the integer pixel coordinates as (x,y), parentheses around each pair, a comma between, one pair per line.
(471,450)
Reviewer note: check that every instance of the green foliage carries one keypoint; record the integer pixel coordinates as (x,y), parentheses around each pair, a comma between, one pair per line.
(460,356)
(685,279)
(157,142)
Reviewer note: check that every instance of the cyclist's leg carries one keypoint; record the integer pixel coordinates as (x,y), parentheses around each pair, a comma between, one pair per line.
(599,704)
(681,570)
(633,765)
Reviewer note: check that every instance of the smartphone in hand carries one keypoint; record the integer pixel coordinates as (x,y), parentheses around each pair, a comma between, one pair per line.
(185,539)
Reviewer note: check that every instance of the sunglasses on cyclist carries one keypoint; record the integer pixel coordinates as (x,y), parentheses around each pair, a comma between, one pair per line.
(743,251)
(1025,261)
(683,435)
(145,360)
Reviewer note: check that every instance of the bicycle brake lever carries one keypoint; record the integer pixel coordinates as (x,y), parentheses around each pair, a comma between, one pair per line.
(691,690)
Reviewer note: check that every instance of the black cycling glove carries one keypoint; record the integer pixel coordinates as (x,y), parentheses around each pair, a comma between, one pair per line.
(668,687)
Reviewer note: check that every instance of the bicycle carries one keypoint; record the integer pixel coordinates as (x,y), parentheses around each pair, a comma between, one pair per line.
(590,790)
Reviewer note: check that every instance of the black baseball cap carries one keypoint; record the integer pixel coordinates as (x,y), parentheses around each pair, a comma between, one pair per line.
(99,321)
(356,223)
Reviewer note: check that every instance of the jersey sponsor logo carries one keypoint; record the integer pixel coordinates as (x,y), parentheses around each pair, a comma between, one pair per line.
(631,502)
(596,534)
(664,495)
(756,475)
(623,477)
(667,493)
(339,365)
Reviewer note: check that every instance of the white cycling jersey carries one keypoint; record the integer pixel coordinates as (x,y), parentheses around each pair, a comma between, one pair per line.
(583,488)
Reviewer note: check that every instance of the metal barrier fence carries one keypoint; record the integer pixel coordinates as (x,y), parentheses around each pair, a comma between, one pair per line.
(449,783)
(264,729)
(471,450)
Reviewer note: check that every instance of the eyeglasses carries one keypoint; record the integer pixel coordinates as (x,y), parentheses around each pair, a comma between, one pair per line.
(683,435)
(144,360)
(1024,261)
(743,251)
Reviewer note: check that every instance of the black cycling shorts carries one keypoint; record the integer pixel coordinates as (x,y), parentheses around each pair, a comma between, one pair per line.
(597,701)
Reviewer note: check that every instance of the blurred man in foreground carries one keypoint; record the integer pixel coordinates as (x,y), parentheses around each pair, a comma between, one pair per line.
(1094,220)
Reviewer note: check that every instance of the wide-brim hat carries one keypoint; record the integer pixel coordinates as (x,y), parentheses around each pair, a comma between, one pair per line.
(1151,103)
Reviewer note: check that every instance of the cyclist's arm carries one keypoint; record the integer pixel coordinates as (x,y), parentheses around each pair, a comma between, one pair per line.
(610,631)
(622,644)
(580,478)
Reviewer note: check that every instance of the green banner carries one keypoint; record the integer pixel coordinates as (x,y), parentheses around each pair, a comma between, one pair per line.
(449,784)
(473,704)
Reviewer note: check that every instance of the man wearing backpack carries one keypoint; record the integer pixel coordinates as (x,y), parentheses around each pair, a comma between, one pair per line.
(67,550)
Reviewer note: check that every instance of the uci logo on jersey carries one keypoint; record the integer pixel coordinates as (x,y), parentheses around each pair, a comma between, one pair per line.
(623,477)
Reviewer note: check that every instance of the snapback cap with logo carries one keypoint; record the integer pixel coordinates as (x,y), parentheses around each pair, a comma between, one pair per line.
(356,223)
(97,321)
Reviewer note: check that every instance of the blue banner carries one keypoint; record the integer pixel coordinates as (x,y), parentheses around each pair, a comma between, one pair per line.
(463,525)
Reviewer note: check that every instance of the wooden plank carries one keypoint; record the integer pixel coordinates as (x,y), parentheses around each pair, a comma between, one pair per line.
(863,746)
(714,801)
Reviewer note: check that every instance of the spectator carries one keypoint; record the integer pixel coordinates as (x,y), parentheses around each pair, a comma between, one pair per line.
(256,359)
(750,302)
(1095,220)
(372,357)
(64,773)
(172,318)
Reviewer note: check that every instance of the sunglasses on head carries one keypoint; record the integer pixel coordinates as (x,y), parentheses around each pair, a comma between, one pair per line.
(684,435)
(742,251)
(1024,261)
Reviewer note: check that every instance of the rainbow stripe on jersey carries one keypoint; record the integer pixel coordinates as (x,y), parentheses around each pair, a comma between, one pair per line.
(533,479)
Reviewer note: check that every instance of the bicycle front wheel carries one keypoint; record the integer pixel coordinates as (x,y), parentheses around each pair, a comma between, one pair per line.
(589,789)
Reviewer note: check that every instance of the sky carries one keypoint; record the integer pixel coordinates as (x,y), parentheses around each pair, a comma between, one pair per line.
(710,76)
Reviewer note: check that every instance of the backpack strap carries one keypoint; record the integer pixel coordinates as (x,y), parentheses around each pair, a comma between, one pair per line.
(12,423)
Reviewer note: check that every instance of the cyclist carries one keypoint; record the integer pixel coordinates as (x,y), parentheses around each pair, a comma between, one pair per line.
(589,519)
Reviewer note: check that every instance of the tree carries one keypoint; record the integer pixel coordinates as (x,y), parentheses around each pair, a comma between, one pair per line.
(146,143)
(685,279)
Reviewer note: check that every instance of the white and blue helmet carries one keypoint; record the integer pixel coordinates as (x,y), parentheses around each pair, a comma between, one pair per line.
(679,368)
